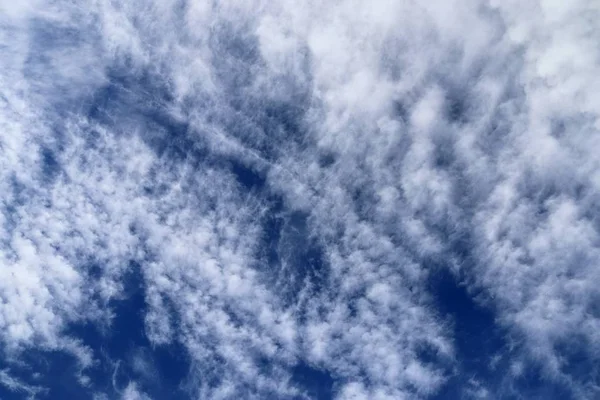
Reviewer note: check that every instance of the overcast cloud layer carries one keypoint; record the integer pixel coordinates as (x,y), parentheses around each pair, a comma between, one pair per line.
(248,199)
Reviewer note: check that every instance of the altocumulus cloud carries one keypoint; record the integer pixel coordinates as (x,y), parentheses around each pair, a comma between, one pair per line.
(299,200)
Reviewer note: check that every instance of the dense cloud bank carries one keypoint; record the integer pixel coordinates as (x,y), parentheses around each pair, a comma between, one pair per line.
(299,200)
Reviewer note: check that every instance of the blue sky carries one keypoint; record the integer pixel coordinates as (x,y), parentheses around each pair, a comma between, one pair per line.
(299,200)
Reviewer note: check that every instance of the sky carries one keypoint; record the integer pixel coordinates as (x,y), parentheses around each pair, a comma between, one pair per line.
(251,199)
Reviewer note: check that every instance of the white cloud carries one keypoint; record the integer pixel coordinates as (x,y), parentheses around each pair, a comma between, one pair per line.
(16,386)
(131,392)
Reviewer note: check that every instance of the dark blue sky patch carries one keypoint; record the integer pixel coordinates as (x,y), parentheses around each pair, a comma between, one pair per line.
(326,159)
(317,384)
(477,338)
(533,384)
(173,364)
(7,393)
(485,356)
(126,342)
(110,102)
(401,110)
(284,121)
(363,198)
(122,352)
(458,101)
(172,140)
(270,129)
(127,327)
(443,151)
(250,177)
(129,91)
(138,102)
(49,165)
(310,382)
(54,371)
(457,107)
(578,362)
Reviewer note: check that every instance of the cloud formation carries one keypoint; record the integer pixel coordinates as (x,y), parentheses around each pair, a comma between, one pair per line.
(284,192)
